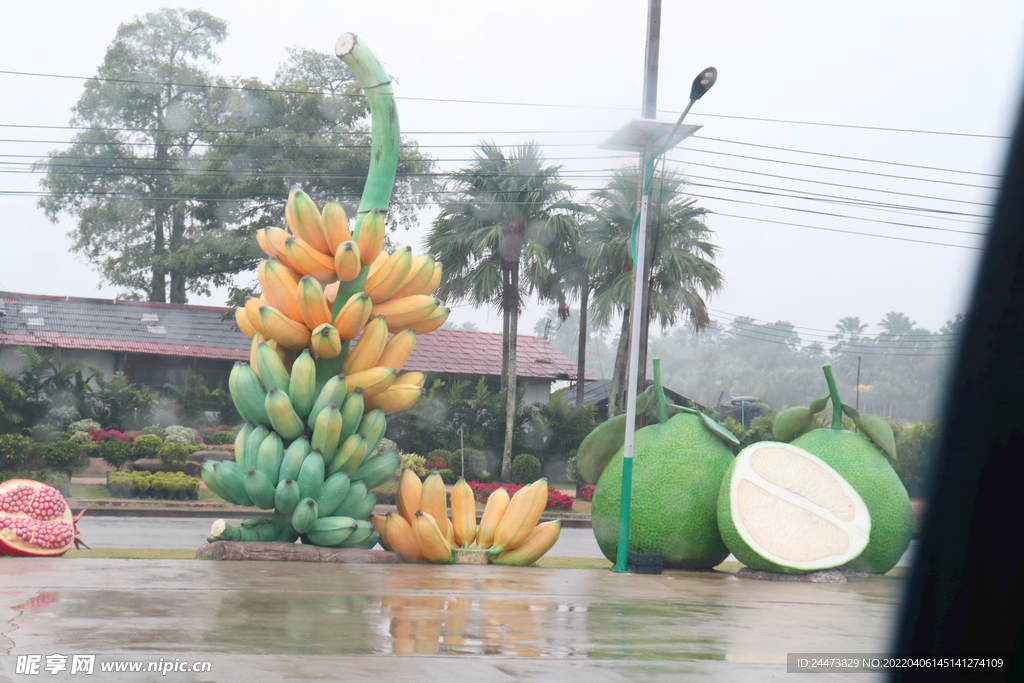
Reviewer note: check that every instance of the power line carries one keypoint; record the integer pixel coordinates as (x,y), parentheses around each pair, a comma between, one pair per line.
(494,102)
(865,342)
(863,353)
(801,327)
(840,156)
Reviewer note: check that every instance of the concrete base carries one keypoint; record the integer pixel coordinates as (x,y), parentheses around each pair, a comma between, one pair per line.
(293,552)
(830,576)
(470,556)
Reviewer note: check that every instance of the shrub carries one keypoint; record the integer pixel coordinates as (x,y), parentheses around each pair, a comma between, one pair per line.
(476,463)
(156,430)
(152,485)
(177,440)
(81,438)
(101,435)
(384,446)
(386,493)
(61,455)
(439,460)
(115,452)
(447,476)
(572,472)
(188,434)
(57,480)
(173,454)
(84,426)
(14,449)
(588,492)
(223,437)
(147,446)
(414,462)
(525,469)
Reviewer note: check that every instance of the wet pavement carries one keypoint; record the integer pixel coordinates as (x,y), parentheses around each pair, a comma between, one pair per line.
(275,621)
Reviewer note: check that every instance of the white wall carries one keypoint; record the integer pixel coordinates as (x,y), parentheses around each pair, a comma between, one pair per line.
(538,391)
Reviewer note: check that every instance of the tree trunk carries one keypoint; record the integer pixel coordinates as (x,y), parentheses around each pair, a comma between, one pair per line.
(158,286)
(177,237)
(512,301)
(505,311)
(618,371)
(581,356)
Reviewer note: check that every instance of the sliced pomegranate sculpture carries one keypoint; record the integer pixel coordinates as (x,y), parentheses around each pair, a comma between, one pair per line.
(35,521)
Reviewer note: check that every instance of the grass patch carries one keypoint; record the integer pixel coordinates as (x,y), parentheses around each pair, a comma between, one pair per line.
(134,553)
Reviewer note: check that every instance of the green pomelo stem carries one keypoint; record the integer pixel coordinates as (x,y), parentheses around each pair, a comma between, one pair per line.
(386,136)
(837,406)
(660,393)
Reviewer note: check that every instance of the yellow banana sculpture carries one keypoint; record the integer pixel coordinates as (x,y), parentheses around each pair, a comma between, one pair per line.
(325,341)
(312,303)
(435,280)
(541,540)
(347,265)
(308,260)
(242,320)
(371,237)
(430,539)
(410,489)
(284,330)
(406,311)
(395,398)
(415,378)
(427,324)
(401,538)
(520,520)
(397,351)
(380,526)
(510,521)
(272,243)
(280,285)
(252,313)
(420,273)
(336,229)
(380,285)
(434,500)
(494,510)
(463,514)
(305,221)
(353,316)
(373,381)
(368,349)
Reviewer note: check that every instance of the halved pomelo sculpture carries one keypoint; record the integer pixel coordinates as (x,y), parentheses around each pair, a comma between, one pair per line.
(35,520)
(782,509)
(858,458)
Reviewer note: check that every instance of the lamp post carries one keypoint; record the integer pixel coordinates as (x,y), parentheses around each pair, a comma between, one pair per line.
(644,132)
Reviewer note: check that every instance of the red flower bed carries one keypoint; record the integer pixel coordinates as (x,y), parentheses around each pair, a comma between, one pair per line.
(436,463)
(100,435)
(556,499)
(588,492)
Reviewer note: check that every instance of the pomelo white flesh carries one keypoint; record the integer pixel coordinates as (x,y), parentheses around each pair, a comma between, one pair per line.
(786,510)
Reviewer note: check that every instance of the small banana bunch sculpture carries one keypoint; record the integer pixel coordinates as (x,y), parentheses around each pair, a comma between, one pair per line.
(422,531)
(322,372)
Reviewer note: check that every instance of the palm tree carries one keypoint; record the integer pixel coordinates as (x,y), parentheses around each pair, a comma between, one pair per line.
(848,331)
(496,239)
(682,272)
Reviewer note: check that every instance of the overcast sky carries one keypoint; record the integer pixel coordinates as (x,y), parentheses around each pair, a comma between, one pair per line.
(951,67)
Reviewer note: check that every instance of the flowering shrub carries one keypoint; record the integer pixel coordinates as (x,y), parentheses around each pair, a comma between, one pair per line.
(216,435)
(588,492)
(187,433)
(437,461)
(556,499)
(101,435)
(84,426)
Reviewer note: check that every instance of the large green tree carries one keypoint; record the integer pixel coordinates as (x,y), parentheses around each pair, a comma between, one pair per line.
(682,270)
(175,168)
(509,218)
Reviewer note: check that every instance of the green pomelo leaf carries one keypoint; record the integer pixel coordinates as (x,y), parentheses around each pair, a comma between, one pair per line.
(791,423)
(850,412)
(879,431)
(818,405)
(712,426)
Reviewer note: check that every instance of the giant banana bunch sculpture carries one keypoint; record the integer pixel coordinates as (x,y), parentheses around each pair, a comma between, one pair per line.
(421,530)
(337,320)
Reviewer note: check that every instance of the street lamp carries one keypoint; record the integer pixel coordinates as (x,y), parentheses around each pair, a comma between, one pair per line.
(644,132)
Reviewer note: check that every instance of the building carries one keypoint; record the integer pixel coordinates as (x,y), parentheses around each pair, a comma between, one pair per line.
(156,344)
(596,392)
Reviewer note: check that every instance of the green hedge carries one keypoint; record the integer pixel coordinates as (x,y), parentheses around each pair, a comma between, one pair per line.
(62,455)
(525,469)
(57,480)
(176,485)
(14,449)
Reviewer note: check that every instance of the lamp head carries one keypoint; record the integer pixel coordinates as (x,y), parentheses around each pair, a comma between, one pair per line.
(703,82)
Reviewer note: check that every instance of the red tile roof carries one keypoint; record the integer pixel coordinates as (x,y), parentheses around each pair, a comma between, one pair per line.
(200,331)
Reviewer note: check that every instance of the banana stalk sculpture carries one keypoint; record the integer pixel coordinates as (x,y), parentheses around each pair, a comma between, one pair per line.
(323,373)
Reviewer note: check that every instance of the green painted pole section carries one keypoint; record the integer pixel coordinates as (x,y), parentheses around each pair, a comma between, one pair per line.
(833,391)
(385,133)
(621,553)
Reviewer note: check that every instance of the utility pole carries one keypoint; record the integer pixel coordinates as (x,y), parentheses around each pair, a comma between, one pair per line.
(649,111)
